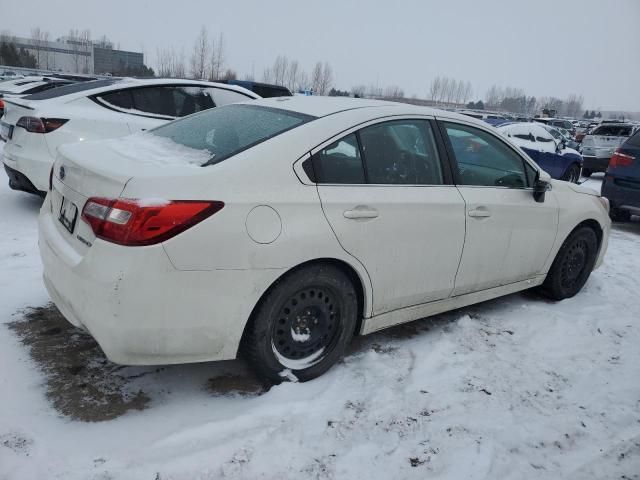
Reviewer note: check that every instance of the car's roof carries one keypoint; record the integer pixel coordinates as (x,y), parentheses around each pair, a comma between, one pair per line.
(83,89)
(320,106)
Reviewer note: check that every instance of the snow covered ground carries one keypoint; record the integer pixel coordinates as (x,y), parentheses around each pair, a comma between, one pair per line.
(515,388)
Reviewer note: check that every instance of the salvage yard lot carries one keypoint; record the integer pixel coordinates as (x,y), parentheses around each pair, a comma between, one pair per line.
(518,387)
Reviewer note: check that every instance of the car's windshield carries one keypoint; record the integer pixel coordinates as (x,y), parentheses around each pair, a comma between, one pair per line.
(613,130)
(228,130)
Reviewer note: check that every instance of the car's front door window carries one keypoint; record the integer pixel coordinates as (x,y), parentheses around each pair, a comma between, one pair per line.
(483,159)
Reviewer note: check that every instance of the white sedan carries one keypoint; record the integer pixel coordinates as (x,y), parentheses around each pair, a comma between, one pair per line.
(35,126)
(282,227)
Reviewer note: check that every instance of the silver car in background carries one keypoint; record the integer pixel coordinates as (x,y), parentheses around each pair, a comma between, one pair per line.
(598,145)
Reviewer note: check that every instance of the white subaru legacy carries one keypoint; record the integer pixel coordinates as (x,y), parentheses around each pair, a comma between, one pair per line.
(280,228)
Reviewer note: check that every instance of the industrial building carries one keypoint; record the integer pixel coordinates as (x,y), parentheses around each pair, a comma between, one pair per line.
(80,56)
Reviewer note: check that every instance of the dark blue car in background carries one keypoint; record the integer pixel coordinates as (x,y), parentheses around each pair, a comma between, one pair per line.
(621,184)
(551,154)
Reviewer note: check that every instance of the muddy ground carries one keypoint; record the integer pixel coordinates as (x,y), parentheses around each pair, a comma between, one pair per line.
(82,384)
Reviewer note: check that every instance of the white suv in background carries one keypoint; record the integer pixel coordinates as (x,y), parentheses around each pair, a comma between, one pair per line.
(35,126)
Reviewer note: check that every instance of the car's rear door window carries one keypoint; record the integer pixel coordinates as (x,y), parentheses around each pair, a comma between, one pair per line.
(401,152)
(155,100)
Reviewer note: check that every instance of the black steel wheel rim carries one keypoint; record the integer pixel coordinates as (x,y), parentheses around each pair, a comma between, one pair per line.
(308,322)
(574,263)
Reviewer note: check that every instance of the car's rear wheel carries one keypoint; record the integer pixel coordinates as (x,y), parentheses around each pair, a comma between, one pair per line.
(618,215)
(572,174)
(302,325)
(586,172)
(573,264)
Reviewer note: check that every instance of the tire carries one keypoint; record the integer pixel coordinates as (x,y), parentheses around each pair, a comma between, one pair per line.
(618,215)
(586,172)
(572,174)
(573,264)
(302,325)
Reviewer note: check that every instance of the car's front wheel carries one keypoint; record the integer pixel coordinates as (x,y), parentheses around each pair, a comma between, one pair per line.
(573,264)
(303,324)
(572,174)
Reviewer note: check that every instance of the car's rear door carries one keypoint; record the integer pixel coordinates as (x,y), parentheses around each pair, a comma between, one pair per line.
(388,196)
(508,234)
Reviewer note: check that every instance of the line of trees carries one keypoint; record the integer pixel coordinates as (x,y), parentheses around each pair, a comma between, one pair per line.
(376,91)
(448,91)
(206,62)
(290,74)
(515,100)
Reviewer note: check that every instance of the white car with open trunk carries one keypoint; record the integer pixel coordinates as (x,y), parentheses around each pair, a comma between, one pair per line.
(282,227)
(35,126)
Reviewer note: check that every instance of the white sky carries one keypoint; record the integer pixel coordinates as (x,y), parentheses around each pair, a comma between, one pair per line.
(546,47)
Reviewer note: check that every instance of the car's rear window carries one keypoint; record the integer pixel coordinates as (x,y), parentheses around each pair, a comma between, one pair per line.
(228,130)
(613,130)
(634,140)
(73,88)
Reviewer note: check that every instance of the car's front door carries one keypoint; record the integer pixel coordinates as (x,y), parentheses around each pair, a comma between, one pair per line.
(508,234)
(392,206)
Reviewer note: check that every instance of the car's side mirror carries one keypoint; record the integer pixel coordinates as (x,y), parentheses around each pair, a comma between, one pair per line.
(541,185)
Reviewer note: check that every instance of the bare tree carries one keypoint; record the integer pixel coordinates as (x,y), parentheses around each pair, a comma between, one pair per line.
(47,54)
(279,69)
(73,40)
(177,64)
(304,83)
(163,62)
(293,76)
(358,91)
(434,89)
(85,40)
(326,79)
(468,91)
(493,97)
(217,58)
(316,77)
(199,55)
(36,38)
(393,91)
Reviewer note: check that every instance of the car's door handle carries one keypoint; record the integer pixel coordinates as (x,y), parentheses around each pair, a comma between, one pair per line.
(360,212)
(480,212)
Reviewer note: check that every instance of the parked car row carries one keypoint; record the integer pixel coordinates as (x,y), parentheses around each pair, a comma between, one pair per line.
(36,125)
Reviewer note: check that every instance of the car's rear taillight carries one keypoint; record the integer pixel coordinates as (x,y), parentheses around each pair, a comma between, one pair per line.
(137,223)
(1,104)
(40,125)
(619,159)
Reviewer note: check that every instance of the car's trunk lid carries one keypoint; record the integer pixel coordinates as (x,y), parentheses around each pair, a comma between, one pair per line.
(103,169)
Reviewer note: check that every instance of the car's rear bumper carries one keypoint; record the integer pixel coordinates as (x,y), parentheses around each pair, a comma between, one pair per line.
(139,308)
(595,164)
(19,181)
(622,193)
(33,163)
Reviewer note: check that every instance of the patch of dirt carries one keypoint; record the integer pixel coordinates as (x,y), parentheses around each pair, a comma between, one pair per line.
(16,442)
(81,382)
(245,384)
